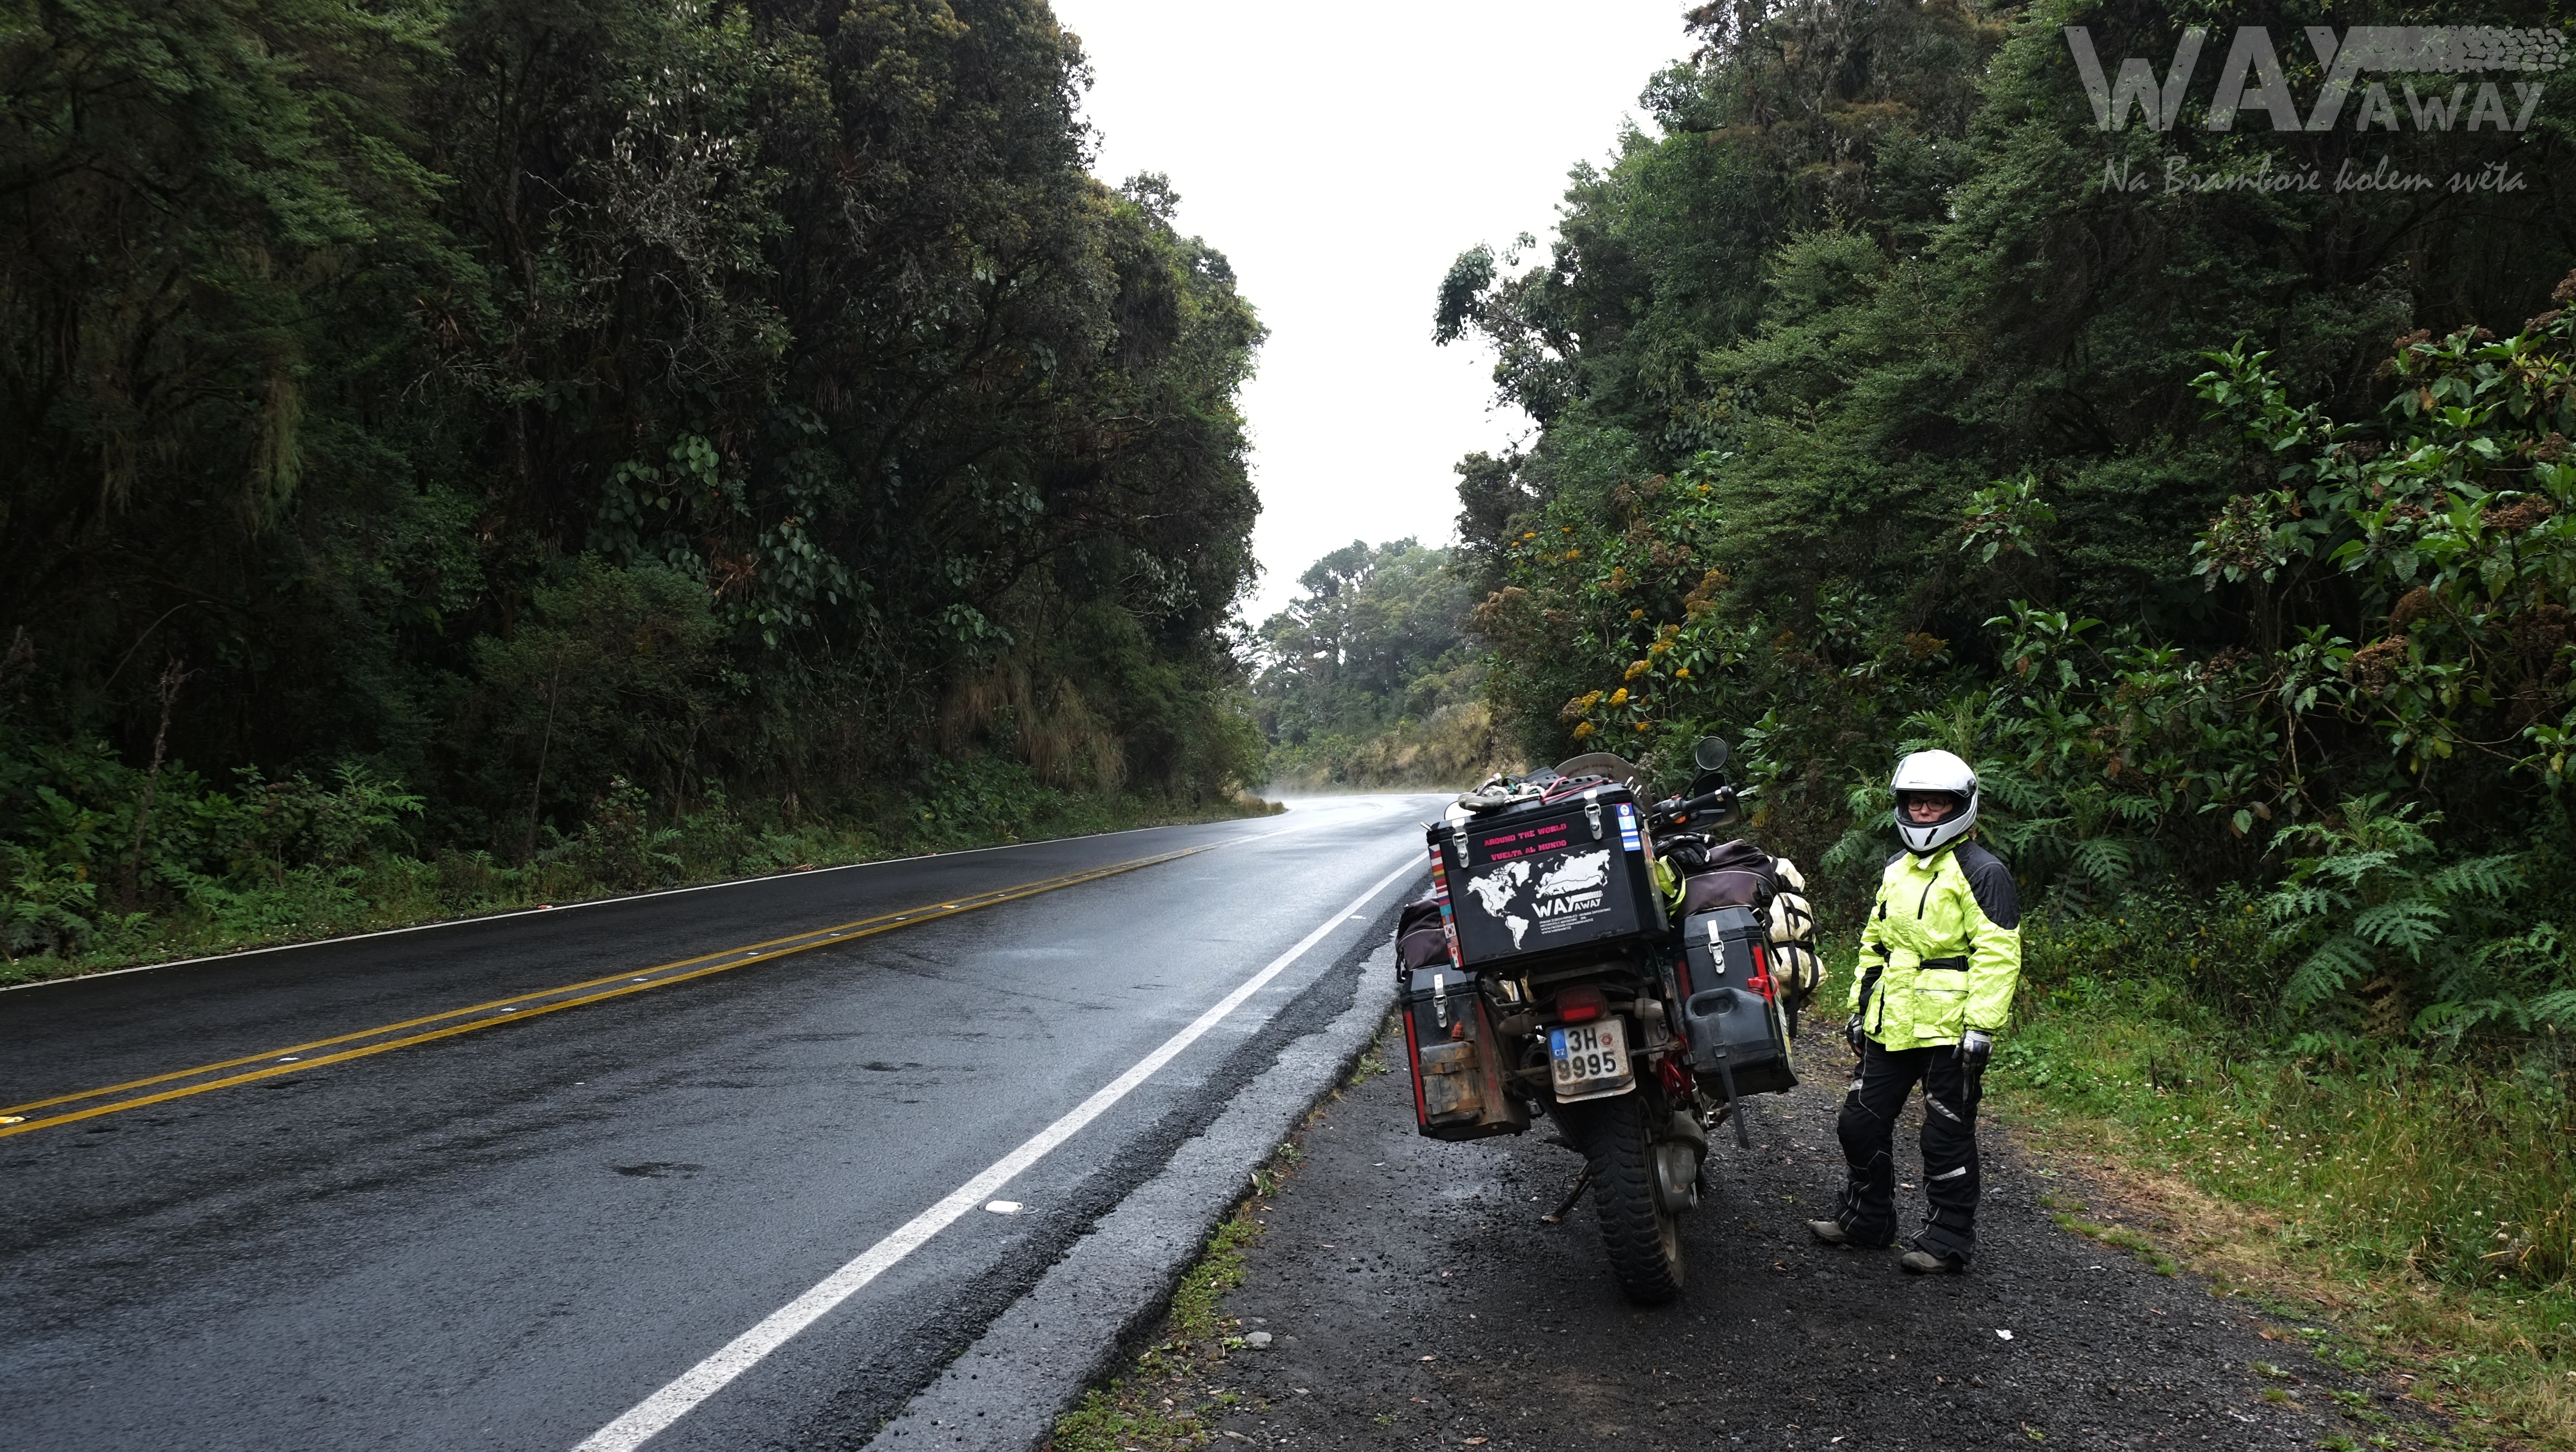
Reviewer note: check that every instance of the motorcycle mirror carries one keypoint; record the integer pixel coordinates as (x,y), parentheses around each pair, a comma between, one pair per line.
(1710,753)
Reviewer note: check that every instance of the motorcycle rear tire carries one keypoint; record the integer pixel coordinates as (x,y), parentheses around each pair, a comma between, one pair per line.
(1643,1238)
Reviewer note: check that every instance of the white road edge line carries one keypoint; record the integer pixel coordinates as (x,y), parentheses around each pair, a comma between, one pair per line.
(647,1418)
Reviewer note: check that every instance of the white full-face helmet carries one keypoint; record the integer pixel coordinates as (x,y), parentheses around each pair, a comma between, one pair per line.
(1945,779)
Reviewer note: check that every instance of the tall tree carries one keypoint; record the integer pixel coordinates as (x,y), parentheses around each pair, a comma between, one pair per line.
(365,356)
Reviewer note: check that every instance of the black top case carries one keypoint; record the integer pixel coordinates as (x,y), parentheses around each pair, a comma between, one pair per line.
(1546,879)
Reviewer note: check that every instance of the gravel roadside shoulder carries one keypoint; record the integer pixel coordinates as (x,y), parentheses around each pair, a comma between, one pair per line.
(1405,1293)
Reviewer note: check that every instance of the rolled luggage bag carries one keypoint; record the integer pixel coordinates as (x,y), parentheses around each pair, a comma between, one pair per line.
(1792,920)
(1420,941)
(1793,951)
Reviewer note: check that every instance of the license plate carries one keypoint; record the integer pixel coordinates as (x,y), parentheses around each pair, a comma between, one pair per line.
(1591,1059)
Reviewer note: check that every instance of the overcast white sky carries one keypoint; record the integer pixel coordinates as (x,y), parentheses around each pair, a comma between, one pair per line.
(1342,155)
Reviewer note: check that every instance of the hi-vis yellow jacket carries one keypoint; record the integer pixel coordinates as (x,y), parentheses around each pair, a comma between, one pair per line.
(1945,937)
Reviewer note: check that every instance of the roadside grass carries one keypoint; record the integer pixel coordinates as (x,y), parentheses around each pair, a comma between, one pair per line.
(611,856)
(2068,1216)
(2424,1210)
(1161,1403)
(1170,1392)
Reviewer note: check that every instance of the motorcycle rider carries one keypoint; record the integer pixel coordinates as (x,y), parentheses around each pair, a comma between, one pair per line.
(1940,958)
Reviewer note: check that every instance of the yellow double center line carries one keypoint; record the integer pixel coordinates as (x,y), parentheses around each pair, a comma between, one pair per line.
(298,1058)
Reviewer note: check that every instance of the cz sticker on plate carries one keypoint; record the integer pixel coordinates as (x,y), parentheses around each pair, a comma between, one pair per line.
(1591,1060)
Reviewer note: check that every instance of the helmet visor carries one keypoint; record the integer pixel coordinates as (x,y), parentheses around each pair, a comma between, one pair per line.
(1928,809)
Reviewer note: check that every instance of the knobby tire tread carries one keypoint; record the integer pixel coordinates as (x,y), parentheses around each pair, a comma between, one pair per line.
(1634,1228)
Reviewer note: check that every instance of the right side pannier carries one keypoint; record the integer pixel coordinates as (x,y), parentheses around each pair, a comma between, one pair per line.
(1731,1008)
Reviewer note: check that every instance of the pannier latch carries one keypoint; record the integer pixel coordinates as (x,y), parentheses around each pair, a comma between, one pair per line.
(1440,997)
(1592,814)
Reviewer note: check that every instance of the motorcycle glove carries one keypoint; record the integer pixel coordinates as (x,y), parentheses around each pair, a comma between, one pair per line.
(1975,1047)
(1852,1034)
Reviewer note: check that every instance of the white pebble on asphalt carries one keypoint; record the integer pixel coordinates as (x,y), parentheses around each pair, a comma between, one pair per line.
(1003,1207)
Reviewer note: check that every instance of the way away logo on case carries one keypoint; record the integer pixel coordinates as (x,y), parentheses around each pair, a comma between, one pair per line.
(1572,885)
(1570,893)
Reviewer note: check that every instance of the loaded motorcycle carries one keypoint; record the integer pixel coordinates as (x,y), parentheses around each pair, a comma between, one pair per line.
(1607,964)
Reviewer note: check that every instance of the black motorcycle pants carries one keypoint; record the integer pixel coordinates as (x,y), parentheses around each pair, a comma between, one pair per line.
(1866,1209)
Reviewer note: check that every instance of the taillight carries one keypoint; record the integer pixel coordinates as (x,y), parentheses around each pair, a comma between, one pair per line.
(1580,1004)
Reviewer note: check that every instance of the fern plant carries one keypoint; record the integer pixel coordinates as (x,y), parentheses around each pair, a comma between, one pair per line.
(2383,935)
(2065,833)
(45,907)
(2523,983)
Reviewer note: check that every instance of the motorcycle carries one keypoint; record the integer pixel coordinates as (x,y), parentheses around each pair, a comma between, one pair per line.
(1548,972)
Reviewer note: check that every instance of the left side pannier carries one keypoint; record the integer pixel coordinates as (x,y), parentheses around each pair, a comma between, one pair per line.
(1459,1086)
(1459,1064)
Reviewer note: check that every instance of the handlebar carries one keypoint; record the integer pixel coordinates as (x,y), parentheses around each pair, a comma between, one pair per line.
(1677,812)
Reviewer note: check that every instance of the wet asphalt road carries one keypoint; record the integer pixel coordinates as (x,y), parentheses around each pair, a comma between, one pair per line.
(506,1239)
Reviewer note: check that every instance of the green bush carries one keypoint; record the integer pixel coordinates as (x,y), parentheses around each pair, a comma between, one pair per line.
(2456,1168)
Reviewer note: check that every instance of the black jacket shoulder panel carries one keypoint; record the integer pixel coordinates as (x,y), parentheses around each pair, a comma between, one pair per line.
(1992,882)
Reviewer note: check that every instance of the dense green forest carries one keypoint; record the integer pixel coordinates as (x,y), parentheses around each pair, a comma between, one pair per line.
(475,433)
(1371,676)
(2219,510)
(2226,530)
